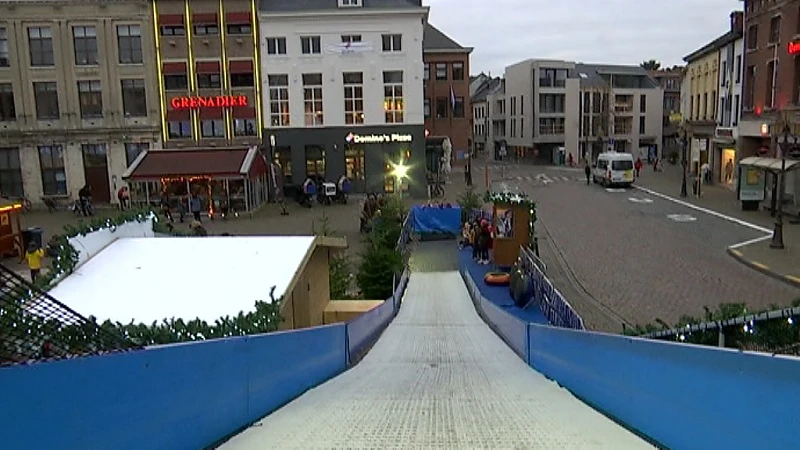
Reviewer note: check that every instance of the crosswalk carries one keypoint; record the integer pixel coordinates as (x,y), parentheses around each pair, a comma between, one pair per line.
(548,179)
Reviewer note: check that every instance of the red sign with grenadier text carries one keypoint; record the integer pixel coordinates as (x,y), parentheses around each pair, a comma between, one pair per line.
(219,101)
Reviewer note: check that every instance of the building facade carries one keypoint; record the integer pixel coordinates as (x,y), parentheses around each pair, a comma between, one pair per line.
(447,89)
(484,101)
(343,87)
(729,112)
(78,102)
(670,80)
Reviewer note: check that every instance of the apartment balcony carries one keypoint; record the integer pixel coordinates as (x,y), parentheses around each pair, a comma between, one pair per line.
(551,130)
(623,108)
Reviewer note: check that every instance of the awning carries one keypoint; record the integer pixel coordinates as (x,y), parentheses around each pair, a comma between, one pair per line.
(153,165)
(770,164)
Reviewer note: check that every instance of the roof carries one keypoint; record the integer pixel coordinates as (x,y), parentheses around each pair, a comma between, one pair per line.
(236,162)
(433,40)
(714,45)
(591,75)
(332,5)
(770,164)
(246,259)
(491,86)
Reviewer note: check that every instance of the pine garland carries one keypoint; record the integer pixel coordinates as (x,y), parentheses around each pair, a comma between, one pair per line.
(516,199)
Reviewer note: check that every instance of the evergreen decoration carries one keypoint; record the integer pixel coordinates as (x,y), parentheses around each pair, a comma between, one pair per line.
(340,267)
(381,262)
(516,199)
(64,257)
(469,200)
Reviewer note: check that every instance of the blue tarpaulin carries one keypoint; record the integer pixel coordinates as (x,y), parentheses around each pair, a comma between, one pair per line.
(436,220)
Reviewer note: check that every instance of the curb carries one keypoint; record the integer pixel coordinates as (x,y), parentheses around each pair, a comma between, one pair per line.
(788,279)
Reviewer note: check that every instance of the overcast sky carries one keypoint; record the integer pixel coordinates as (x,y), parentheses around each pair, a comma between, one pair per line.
(594,31)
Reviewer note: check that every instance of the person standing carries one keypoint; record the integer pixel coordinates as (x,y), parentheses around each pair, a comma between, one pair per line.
(85,197)
(195,206)
(34,257)
(588,171)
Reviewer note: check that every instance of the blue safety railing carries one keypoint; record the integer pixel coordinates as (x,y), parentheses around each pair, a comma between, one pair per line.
(555,308)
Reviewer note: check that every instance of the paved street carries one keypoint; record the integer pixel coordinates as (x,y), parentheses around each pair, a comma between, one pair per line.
(640,255)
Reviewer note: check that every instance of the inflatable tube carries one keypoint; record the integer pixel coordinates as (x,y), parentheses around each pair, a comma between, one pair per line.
(497,279)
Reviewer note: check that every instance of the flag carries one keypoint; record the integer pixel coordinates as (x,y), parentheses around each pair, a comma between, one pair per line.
(452,98)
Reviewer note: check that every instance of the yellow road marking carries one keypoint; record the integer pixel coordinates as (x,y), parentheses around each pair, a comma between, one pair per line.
(736,252)
(793,278)
(759,265)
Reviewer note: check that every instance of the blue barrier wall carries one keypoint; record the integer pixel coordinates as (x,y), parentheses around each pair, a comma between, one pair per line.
(364,328)
(183,396)
(682,396)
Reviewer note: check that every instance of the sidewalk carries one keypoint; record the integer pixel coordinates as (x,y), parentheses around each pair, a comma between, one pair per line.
(780,264)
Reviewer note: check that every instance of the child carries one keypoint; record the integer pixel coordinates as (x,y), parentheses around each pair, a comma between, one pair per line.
(473,241)
(464,241)
(34,257)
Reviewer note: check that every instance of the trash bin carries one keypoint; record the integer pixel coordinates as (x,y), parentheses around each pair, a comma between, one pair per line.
(34,234)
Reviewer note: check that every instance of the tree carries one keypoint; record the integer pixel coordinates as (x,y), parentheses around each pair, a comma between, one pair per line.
(340,267)
(650,65)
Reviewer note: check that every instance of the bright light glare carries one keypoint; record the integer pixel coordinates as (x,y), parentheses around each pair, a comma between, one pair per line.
(400,170)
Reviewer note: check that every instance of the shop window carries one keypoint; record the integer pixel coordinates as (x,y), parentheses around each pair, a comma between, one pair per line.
(393,96)
(90,98)
(354,164)
(214,128)
(133,150)
(129,42)
(315,160)
(244,127)
(176,82)
(282,156)
(441,107)
(279,100)
(8,110)
(134,98)
(389,180)
(179,129)
(10,172)
(46,96)
(353,97)
(84,41)
(312,98)
(54,176)
(209,81)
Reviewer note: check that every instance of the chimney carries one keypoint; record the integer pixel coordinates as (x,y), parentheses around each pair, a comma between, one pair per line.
(737,22)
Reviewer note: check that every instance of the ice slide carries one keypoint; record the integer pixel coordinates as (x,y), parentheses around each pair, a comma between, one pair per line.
(437,378)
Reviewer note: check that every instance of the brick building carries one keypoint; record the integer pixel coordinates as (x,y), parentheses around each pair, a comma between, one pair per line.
(447,98)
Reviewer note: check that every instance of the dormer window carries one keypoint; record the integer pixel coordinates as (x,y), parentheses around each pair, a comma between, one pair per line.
(349,3)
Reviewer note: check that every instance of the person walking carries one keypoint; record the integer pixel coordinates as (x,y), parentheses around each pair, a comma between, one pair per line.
(34,256)
(588,171)
(637,167)
(195,206)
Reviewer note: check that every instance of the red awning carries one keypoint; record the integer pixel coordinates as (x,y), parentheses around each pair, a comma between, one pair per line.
(207,67)
(244,112)
(204,19)
(174,67)
(216,163)
(238,18)
(170,19)
(241,66)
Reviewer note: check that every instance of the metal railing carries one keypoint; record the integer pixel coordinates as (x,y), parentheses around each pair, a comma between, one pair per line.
(549,300)
(36,327)
(772,332)
(405,234)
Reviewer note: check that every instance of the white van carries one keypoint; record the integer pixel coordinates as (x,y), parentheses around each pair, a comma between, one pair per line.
(613,168)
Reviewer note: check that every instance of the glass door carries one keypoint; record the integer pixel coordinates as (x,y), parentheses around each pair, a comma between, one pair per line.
(354,168)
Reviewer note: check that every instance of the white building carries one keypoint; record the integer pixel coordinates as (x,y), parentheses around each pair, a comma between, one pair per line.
(726,136)
(343,88)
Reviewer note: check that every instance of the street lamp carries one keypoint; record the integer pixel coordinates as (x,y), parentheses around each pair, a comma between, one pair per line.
(777,232)
(684,192)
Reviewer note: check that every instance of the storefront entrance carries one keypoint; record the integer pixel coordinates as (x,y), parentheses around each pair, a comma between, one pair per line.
(354,168)
(727,163)
(95,169)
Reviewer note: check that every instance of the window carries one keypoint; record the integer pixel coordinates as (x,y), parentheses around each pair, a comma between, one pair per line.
(752,37)
(641,125)
(176,82)
(427,108)
(173,30)
(552,77)
(349,3)
(521,105)
(244,127)
(279,100)
(551,103)
(705,105)
(750,88)
(736,112)
(353,97)
(243,79)
(513,106)
(276,46)
(426,73)
(392,42)
(90,97)
(775,30)
(5,60)
(513,128)
(770,87)
(179,129)
(239,29)
(210,29)
(315,160)
(442,107)
(738,68)
(40,41)
(551,125)
(312,98)
(350,38)
(713,114)
(134,101)
(441,71)
(8,110)
(133,150)
(623,125)
(642,104)
(393,96)
(51,163)
(209,81)
(310,45)
(129,41)
(85,43)
(46,96)
(10,172)
(521,127)
(213,128)
(458,107)
(458,71)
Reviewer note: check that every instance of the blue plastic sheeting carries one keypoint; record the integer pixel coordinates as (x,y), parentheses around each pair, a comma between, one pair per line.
(362,329)
(681,396)
(183,396)
(498,295)
(436,220)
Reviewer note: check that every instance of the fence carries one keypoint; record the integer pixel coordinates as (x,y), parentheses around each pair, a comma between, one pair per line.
(405,235)
(549,300)
(34,326)
(771,332)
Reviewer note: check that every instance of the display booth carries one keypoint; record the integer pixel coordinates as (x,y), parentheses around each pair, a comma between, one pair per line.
(11,229)
(513,219)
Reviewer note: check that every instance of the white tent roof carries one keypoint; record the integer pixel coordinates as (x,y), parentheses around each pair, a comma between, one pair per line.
(771,164)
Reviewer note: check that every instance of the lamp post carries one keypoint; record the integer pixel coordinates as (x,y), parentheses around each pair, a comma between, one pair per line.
(777,232)
(684,164)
